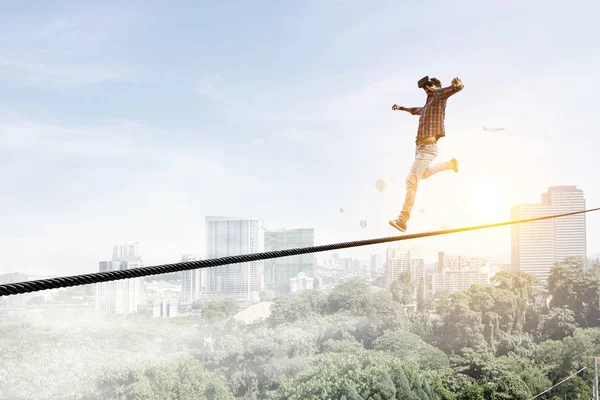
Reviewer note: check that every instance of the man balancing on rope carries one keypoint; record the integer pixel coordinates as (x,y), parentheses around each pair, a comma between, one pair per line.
(431,129)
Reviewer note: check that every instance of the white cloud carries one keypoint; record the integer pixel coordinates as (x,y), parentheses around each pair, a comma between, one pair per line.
(368,102)
(76,192)
(62,141)
(34,71)
(239,100)
(67,50)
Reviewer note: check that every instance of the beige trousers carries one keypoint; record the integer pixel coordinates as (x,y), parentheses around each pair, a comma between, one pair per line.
(421,169)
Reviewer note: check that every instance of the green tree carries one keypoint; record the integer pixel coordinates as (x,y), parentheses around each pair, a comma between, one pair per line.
(521,285)
(330,374)
(459,327)
(256,360)
(567,285)
(287,310)
(182,379)
(518,344)
(561,358)
(380,314)
(591,297)
(351,296)
(558,324)
(383,388)
(217,310)
(408,346)
(349,392)
(504,377)
(342,346)
(421,325)
(402,288)
(402,386)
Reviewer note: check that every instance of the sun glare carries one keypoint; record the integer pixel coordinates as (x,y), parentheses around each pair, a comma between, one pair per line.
(484,200)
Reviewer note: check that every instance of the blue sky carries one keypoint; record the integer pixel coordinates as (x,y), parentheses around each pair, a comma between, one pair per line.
(134,121)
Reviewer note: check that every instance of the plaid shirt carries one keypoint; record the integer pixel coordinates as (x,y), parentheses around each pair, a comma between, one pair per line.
(431,120)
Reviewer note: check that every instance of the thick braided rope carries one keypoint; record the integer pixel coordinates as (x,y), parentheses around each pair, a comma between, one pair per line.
(54,283)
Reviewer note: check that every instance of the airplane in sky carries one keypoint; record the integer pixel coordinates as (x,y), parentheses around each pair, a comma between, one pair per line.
(492,129)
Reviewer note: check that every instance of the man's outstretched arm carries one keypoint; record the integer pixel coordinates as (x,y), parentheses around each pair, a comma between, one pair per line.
(454,88)
(412,110)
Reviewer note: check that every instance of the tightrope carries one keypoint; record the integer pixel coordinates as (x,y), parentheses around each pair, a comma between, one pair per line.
(76,280)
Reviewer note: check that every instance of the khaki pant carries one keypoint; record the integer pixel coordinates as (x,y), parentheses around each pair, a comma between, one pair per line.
(421,169)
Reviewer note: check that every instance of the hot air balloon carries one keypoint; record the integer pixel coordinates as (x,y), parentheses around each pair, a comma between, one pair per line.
(342,210)
(363,223)
(380,184)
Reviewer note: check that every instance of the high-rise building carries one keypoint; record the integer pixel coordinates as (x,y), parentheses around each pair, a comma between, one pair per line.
(570,232)
(126,250)
(441,262)
(375,264)
(191,281)
(333,261)
(398,260)
(537,246)
(457,262)
(228,237)
(121,296)
(279,271)
(396,263)
(301,283)
(453,280)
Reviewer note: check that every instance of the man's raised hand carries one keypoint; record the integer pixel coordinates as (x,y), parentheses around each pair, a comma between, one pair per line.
(456,82)
(397,107)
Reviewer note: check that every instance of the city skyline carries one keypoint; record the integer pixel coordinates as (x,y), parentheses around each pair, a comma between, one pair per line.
(430,254)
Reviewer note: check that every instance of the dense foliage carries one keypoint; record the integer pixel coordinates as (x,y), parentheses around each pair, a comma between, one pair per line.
(352,342)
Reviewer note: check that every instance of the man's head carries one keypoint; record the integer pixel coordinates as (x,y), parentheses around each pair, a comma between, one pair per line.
(433,85)
(430,85)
